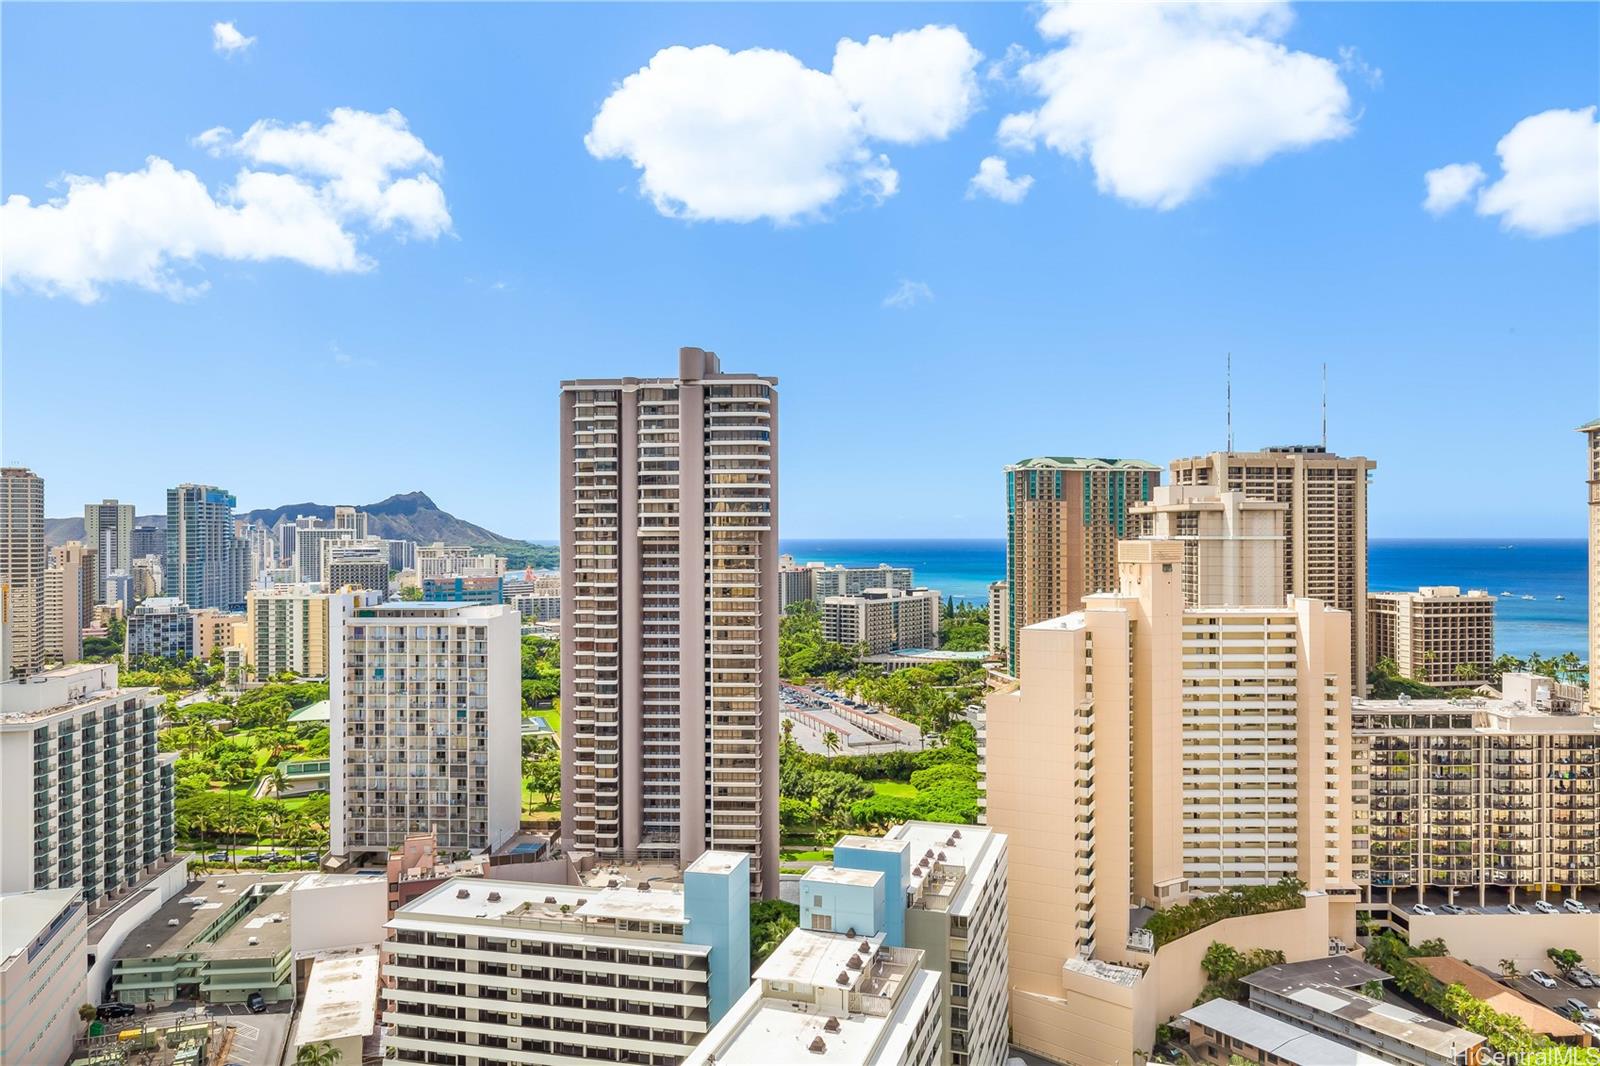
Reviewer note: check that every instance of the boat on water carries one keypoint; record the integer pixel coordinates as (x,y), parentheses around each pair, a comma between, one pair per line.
(1505,594)
(1526,596)
(1559,596)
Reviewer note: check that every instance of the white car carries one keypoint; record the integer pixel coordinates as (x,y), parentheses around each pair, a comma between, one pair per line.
(1544,908)
(1542,979)
(1581,1010)
(1422,908)
(1576,906)
(1592,1028)
(1516,908)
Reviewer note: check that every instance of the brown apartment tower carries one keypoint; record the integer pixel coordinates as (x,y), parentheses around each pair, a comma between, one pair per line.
(669,621)
(1325,527)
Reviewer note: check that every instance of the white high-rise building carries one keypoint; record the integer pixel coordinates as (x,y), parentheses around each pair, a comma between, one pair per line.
(44,938)
(999,627)
(426,718)
(308,545)
(88,798)
(669,568)
(108,529)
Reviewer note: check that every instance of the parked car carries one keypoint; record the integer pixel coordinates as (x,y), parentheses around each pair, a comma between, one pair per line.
(217,856)
(1516,908)
(1576,906)
(1581,1010)
(1592,1028)
(1542,979)
(108,1011)
(256,1002)
(1544,908)
(1422,908)
(309,856)
(1581,978)
(1450,908)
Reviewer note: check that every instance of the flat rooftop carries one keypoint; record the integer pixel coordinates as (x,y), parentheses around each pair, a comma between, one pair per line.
(175,928)
(1394,1021)
(341,996)
(26,916)
(834,875)
(1287,1043)
(527,899)
(960,859)
(1335,971)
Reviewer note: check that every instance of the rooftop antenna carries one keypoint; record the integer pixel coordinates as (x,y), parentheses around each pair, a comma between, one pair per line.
(1324,406)
(1230,403)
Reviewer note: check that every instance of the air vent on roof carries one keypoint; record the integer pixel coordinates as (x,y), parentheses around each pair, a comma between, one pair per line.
(462,893)
(866,945)
(494,897)
(173,923)
(956,835)
(831,1025)
(928,854)
(549,899)
(644,886)
(817,1047)
(612,883)
(843,978)
(582,901)
(941,856)
(850,932)
(253,941)
(853,963)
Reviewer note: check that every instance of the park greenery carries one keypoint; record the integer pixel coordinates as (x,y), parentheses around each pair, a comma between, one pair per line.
(802,651)
(1384,680)
(1506,1033)
(1179,921)
(1226,967)
(770,921)
(963,627)
(109,647)
(541,671)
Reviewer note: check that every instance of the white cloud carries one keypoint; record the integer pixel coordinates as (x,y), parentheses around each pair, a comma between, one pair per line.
(1352,62)
(907,295)
(742,136)
(150,226)
(1551,174)
(1163,98)
(226,38)
(993,181)
(1451,186)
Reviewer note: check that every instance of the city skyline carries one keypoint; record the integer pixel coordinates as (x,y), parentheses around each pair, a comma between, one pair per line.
(522,234)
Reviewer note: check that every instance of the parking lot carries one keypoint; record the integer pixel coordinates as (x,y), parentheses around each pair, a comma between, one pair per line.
(861,729)
(1494,900)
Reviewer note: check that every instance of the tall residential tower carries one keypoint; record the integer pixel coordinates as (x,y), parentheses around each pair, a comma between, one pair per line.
(669,577)
(200,567)
(1592,431)
(108,530)
(22,566)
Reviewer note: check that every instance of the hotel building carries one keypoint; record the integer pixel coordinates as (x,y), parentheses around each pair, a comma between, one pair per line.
(883,620)
(69,599)
(1232,544)
(1591,431)
(287,627)
(88,799)
(1472,794)
(425,711)
(439,560)
(669,630)
(201,566)
(43,942)
(1064,517)
(23,560)
(1325,526)
(160,627)
(309,541)
(999,634)
(1438,634)
(357,564)
(481,972)
(1152,751)
(108,529)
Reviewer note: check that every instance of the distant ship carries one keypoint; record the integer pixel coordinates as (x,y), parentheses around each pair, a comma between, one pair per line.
(1559,596)
(1505,594)
(1526,596)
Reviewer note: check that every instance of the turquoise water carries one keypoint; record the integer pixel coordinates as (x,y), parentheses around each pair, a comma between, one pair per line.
(1542,569)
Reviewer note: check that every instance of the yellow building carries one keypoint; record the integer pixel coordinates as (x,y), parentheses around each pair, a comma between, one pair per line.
(216,630)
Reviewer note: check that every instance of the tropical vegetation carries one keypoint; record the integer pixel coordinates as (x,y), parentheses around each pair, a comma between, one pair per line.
(1506,1033)
(1179,921)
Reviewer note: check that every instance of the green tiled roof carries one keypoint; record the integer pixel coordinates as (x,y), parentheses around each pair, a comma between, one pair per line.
(1072,462)
(1589,426)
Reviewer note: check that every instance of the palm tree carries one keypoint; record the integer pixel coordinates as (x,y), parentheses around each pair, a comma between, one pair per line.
(1508,967)
(830,741)
(320,1053)
(279,780)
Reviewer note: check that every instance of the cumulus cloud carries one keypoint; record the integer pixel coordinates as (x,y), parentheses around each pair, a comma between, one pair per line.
(1451,186)
(150,226)
(992,180)
(1163,98)
(226,39)
(907,295)
(742,136)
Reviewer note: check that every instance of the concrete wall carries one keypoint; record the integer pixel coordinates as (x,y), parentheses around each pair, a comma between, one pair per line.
(154,895)
(327,914)
(1485,939)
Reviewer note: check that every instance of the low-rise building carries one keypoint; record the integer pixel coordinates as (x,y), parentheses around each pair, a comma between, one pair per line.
(219,941)
(1438,634)
(834,999)
(481,589)
(340,1008)
(1224,1032)
(43,943)
(501,971)
(882,620)
(1480,985)
(88,798)
(160,627)
(216,631)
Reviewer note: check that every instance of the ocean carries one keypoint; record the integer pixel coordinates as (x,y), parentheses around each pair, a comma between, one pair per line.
(1542,569)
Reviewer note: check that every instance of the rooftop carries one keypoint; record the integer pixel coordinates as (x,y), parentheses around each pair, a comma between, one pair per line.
(26,916)
(1073,462)
(1484,986)
(1398,1023)
(25,701)
(184,924)
(932,655)
(321,711)
(835,875)
(1286,1043)
(481,899)
(1335,971)
(954,862)
(1125,976)
(341,996)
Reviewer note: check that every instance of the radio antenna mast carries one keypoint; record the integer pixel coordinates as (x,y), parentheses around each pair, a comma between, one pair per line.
(1324,406)
(1230,402)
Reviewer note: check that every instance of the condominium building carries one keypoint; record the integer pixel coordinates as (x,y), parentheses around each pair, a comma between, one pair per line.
(22,565)
(1438,634)
(362,564)
(149,540)
(347,517)
(439,560)
(999,635)
(1152,751)
(308,543)
(86,794)
(287,630)
(161,627)
(1064,517)
(148,580)
(536,608)
(119,591)
(69,599)
(108,529)
(883,619)
(1232,544)
(794,582)
(1469,794)
(486,972)
(402,554)
(217,631)
(44,938)
(669,637)
(1591,431)
(1325,526)
(854,580)
(426,709)
(835,999)
(202,567)
(940,889)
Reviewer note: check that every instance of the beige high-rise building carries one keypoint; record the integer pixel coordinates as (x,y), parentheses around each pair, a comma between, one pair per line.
(1325,526)
(288,627)
(216,631)
(999,632)
(1064,517)
(669,626)
(1591,430)
(1152,751)
(69,599)
(1438,634)
(22,565)
(108,529)
(883,620)
(1232,544)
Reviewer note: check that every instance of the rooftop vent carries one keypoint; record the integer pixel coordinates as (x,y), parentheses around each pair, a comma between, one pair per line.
(494,897)
(173,923)
(843,978)
(817,1046)
(549,899)
(582,901)
(853,963)
(956,835)
(613,883)
(950,841)
(941,856)
(831,1025)
(866,946)
(462,893)
(928,854)
(850,932)
(253,941)
(644,886)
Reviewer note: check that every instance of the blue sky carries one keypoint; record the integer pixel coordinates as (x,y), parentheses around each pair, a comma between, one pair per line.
(1462,347)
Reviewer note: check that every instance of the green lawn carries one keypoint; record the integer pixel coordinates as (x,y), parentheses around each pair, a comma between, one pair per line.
(820,855)
(895,789)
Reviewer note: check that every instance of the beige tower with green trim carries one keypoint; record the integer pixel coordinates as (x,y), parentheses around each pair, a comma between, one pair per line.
(1591,430)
